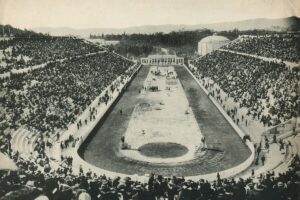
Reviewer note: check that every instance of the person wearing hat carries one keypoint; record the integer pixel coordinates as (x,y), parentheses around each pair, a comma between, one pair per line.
(42,197)
(193,190)
(160,187)
(239,190)
(172,190)
(94,188)
(84,196)
(292,190)
(184,193)
(280,192)
(205,189)
(151,182)
(50,186)
(255,191)
(64,192)
(121,192)
(113,195)
(250,190)
(116,181)
(107,193)
(138,193)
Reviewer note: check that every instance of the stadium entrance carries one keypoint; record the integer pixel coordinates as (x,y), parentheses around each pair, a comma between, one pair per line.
(162,60)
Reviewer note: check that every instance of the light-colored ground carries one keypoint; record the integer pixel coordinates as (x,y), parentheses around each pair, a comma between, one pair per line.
(165,116)
(6,163)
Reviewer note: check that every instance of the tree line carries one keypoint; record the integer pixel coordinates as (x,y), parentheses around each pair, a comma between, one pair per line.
(184,43)
(9,31)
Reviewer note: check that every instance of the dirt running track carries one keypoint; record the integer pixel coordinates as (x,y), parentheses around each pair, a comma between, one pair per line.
(101,148)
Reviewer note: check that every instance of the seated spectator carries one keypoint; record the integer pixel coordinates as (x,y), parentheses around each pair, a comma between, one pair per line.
(268,90)
(49,99)
(64,185)
(281,46)
(21,52)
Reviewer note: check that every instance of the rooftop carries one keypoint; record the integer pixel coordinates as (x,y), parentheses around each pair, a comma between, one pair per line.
(214,38)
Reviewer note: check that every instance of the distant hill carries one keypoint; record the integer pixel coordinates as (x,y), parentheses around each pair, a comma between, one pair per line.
(8,30)
(282,24)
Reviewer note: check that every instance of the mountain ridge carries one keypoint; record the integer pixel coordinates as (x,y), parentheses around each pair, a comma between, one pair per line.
(280,24)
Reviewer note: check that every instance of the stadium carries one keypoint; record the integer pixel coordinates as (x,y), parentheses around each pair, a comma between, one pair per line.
(214,116)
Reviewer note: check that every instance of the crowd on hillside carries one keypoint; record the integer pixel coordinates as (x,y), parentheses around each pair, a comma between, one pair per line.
(281,46)
(18,53)
(49,99)
(269,90)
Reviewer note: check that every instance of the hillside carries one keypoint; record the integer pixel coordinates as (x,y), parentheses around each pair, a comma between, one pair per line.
(282,24)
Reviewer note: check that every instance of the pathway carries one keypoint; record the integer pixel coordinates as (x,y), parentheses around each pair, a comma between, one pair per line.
(287,63)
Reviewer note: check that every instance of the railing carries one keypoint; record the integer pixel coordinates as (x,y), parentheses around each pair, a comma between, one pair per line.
(289,126)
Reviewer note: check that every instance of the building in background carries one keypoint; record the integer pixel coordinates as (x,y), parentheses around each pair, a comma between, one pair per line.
(211,43)
(103,42)
(162,60)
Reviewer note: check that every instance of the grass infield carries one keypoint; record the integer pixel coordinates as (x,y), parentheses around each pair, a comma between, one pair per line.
(163,150)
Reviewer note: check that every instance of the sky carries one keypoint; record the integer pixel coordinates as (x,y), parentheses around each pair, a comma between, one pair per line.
(126,13)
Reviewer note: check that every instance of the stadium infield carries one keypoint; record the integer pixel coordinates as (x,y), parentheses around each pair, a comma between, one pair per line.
(225,148)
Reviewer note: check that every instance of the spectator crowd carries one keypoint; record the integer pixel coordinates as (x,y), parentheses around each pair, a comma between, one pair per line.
(21,52)
(270,91)
(48,99)
(35,179)
(281,46)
